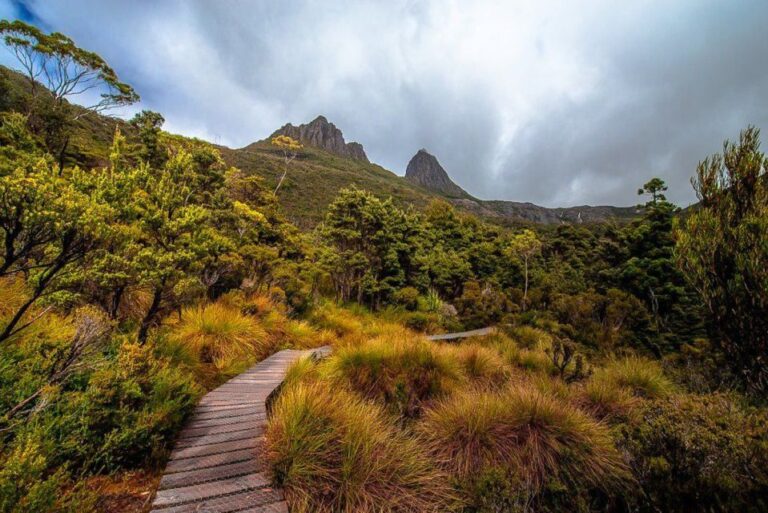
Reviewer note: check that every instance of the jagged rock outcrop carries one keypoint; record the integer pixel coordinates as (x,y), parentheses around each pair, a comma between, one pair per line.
(426,171)
(322,134)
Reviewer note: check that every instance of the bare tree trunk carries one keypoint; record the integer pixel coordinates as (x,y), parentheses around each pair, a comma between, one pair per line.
(62,155)
(149,319)
(525,291)
(281,180)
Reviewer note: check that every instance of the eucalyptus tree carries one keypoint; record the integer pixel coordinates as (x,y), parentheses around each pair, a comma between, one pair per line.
(59,71)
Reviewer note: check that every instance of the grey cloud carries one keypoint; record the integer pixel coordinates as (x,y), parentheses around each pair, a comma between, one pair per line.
(553,103)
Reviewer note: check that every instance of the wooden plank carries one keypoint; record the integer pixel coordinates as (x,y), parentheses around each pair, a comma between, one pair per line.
(217,466)
(212,430)
(265,500)
(252,418)
(250,432)
(213,460)
(210,490)
(204,475)
(217,448)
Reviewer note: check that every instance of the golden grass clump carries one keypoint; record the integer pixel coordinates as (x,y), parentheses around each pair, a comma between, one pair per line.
(302,370)
(334,452)
(480,364)
(404,374)
(529,337)
(644,378)
(222,336)
(535,438)
(340,321)
(606,400)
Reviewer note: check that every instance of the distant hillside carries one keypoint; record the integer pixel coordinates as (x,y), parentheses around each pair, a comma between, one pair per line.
(327,164)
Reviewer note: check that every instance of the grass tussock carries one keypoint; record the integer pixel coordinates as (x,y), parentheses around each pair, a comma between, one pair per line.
(334,452)
(480,364)
(607,400)
(403,374)
(643,378)
(222,336)
(536,439)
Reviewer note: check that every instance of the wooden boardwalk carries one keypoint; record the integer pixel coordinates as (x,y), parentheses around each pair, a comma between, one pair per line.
(217,464)
(463,334)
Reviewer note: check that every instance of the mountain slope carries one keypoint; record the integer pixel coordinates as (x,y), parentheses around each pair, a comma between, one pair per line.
(328,164)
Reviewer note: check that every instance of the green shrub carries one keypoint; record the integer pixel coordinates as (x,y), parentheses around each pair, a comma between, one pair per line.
(407,297)
(128,413)
(332,451)
(700,453)
(418,321)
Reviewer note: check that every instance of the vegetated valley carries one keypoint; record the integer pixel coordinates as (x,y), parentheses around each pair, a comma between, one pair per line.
(140,269)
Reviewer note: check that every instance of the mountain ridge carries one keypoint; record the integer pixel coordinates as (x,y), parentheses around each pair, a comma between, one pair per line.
(425,170)
(323,134)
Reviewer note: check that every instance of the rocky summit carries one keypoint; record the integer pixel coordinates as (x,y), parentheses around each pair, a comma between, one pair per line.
(426,171)
(323,134)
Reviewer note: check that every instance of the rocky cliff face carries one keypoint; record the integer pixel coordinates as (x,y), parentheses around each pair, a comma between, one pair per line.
(322,134)
(426,171)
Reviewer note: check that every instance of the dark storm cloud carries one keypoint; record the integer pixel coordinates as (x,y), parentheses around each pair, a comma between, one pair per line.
(557,102)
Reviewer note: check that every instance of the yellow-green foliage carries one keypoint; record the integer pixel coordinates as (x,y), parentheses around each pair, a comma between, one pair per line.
(529,337)
(642,377)
(357,326)
(607,400)
(479,363)
(402,373)
(222,336)
(339,320)
(302,370)
(12,295)
(537,440)
(333,452)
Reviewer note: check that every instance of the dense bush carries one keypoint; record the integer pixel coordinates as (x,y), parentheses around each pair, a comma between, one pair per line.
(700,453)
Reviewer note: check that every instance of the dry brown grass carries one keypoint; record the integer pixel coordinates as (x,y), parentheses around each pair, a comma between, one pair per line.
(222,336)
(404,374)
(534,437)
(334,452)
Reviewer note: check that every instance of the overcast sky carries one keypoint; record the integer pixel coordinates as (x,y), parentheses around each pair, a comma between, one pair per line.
(555,102)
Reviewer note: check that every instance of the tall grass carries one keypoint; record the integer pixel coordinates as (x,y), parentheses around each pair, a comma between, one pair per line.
(333,452)
(642,377)
(403,374)
(536,439)
(607,400)
(480,364)
(222,336)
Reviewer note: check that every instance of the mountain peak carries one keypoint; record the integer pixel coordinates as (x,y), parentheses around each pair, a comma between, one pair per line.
(426,171)
(322,134)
